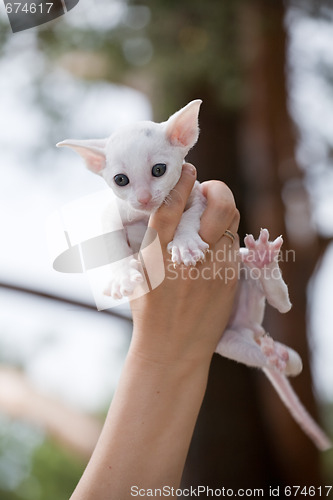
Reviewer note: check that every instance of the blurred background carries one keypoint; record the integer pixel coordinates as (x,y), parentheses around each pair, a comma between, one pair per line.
(265,73)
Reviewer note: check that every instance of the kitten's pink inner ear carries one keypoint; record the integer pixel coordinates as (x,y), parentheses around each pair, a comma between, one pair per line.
(180,135)
(95,160)
(182,127)
(92,152)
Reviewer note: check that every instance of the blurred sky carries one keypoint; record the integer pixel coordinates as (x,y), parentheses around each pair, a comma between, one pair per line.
(72,354)
(309,68)
(77,355)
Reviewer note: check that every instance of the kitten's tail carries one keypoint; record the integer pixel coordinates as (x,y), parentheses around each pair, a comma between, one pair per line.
(282,386)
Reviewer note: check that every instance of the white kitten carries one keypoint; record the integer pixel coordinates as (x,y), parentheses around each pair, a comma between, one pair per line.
(142,163)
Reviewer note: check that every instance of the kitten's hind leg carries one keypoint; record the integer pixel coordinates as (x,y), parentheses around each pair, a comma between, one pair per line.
(253,347)
(261,258)
(277,361)
(281,357)
(239,345)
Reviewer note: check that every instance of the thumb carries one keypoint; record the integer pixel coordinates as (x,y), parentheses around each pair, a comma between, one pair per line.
(167,217)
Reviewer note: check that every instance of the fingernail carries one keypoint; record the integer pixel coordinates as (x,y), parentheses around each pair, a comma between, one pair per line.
(190,168)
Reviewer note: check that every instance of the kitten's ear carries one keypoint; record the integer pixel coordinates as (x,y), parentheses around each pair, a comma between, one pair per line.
(91,150)
(182,128)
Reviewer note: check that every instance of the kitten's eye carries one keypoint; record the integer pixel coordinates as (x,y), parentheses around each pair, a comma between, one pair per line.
(158,169)
(121,179)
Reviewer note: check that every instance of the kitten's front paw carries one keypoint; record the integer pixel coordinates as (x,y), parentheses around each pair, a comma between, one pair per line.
(187,249)
(124,280)
(261,252)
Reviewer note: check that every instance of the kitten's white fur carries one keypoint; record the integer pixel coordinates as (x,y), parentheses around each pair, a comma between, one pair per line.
(133,151)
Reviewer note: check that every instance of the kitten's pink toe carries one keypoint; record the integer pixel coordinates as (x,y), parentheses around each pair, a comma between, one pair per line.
(277,244)
(188,258)
(176,257)
(264,236)
(197,251)
(282,352)
(200,257)
(282,365)
(115,294)
(276,354)
(138,278)
(127,287)
(249,241)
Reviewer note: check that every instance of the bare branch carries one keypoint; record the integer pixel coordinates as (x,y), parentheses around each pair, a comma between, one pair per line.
(58,298)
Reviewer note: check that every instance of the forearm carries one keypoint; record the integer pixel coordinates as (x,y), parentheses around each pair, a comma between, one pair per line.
(177,326)
(148,429)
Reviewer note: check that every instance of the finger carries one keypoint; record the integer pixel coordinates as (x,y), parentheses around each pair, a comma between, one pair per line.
(166,219)
(232,238)
(220,213)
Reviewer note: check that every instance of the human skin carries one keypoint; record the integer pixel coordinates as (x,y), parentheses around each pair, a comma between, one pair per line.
(177,326)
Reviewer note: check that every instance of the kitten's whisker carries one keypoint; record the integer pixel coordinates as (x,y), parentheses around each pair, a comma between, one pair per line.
(175,191)
(167,200)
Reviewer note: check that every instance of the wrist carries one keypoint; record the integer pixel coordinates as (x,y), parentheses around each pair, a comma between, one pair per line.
(171,349)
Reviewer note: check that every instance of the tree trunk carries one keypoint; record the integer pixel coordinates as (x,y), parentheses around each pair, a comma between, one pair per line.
(244,436)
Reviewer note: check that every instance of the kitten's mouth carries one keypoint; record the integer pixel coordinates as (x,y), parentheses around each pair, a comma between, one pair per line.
(147,207)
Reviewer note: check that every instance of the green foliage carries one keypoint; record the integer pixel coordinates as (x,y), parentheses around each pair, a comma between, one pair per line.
(53,475)
(170,49)
(196,45)
(56,471)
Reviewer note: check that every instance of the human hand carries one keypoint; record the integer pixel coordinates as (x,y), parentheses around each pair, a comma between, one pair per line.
(176,329)
(185,316)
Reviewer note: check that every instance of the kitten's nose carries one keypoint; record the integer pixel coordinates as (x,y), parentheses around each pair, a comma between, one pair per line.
(144,197)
